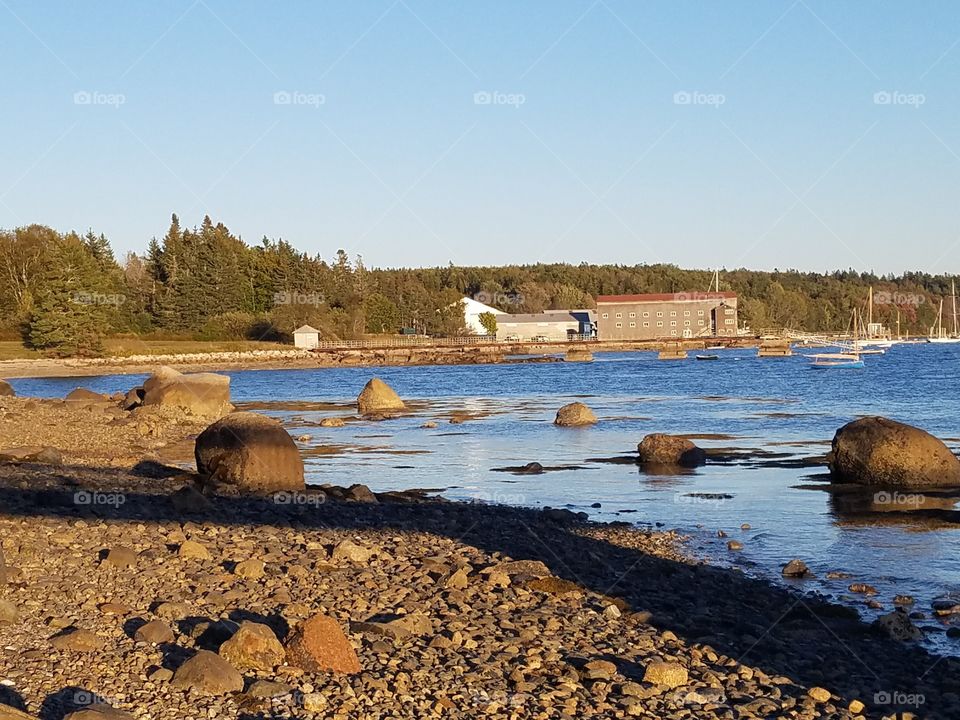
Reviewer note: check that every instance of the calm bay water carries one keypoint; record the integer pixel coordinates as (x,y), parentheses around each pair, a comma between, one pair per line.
(774,405)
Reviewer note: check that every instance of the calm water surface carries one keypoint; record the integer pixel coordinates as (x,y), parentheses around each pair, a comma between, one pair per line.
(774,404)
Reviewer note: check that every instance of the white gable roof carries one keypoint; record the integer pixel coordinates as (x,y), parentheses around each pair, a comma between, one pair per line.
(303,329)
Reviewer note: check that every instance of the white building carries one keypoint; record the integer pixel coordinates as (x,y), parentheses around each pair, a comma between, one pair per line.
(538,327)
(472,310)
(306,337)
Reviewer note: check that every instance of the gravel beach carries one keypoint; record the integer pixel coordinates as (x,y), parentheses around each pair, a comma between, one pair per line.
(127,588)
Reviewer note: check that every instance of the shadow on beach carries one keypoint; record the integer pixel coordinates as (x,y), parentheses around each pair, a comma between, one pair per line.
(784,633)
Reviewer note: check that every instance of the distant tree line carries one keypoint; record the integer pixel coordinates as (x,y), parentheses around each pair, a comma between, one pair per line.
(64,292)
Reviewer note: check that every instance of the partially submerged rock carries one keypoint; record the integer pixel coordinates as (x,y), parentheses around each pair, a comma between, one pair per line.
(6,390)
(796,569)
(252,452)
(883,452)
(663,449)
(201,394)
(898,626)
(575,414)
(378,398)
(84,396)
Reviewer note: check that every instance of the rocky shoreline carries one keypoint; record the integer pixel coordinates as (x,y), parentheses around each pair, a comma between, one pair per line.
(131,587)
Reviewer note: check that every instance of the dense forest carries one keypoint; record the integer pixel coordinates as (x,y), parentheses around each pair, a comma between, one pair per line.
(63,292)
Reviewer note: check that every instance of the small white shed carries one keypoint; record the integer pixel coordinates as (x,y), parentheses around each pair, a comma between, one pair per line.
(306,337)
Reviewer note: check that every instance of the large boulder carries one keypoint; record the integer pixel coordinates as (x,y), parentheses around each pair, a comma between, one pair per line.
(250,451)
(85,396)
(6,390)
(878,451)
(575,414)
(253,647)
(378,398)
(208,674)
(662,449)
(202,394)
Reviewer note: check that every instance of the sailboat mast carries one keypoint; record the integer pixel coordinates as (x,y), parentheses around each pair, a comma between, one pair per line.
(953,297)
(870,308)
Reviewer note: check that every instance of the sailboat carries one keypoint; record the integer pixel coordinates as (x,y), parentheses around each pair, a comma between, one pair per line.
(845,360)
(937,334)
(869,339)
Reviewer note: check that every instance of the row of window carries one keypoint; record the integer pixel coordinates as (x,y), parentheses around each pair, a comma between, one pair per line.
(673,313)
(673,323)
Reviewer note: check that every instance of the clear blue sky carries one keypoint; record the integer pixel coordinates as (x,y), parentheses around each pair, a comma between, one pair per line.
(745,133)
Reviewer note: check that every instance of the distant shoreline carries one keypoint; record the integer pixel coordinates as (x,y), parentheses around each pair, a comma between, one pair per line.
(332,358)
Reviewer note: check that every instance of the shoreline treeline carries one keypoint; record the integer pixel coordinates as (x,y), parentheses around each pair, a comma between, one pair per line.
(64,292)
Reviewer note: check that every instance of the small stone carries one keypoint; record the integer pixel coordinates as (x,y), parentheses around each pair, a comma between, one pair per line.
(8,612)
(249,569)
(856,707)
(78,641)
(319,645)
(121,557)
(599,670)
(189,549)
(819,694)
(349,550)
(734,545)
(268,689)
(161,675)
(314,702)
(611,612)
(331,422)
(862,588)
(667,674)
(154,632)
(253,647)
(208,674)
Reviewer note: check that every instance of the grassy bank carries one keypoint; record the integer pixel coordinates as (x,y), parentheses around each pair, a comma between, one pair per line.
(125,347)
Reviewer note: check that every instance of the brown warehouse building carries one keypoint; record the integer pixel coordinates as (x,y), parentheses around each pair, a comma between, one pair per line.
(667,315)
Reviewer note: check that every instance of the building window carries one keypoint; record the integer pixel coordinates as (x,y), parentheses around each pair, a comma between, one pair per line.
(673,332)
(673,323)
(633,314)
(660,323)
(673,313)
(605,316)
(729,321)
(700,322)
(728,311)
(646,324)
(619,315)
(659,314)
(700,313)
(686,323)
(619,325)
(633,324)
(646,314)
(686,313)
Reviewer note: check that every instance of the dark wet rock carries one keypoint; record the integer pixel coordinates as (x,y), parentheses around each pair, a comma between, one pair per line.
(575,414)
(734,545)
(252,452)
(903,600)
(189,500)
(898,626)
(883,452)
(946,606)
(332,422)
(562,515)
(532,468)
(796,569)
(378,399)
(663,449)
(360,493)
(862,589)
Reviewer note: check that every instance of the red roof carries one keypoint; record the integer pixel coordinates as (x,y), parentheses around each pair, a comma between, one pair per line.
(666,297)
